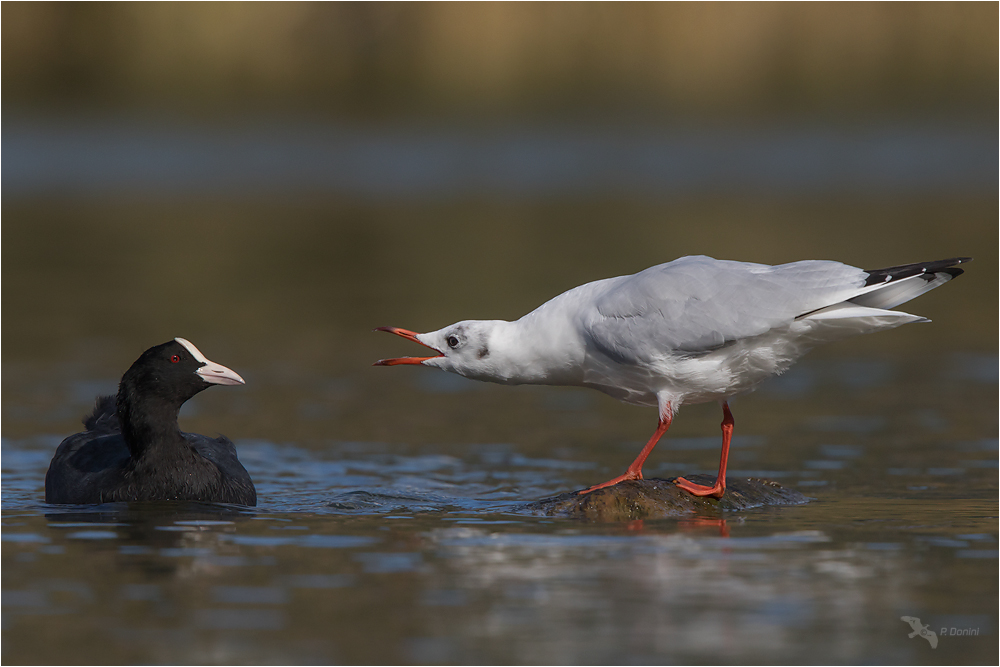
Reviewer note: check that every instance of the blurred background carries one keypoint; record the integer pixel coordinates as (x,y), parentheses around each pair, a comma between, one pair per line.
(273,180)
(503,62)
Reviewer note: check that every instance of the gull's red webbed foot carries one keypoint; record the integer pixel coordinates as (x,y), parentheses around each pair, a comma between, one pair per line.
(719,489)
(701,490)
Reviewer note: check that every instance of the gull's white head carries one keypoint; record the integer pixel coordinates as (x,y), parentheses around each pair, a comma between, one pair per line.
(464,348)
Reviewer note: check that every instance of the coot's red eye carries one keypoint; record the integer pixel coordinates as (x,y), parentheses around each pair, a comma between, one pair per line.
(174,359)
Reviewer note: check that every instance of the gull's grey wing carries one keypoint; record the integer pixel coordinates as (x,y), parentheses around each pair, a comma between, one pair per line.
(696,304)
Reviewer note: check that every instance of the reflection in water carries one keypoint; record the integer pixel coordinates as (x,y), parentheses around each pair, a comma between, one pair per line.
(704,522)
(387,530)
(427,551)
(454,573)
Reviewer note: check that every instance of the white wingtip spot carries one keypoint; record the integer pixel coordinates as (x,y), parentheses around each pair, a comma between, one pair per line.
(195,352)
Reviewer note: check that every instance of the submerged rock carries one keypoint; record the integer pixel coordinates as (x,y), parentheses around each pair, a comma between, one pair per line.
(660,498)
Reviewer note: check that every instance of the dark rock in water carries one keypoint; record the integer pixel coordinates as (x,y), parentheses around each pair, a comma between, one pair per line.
(660,498)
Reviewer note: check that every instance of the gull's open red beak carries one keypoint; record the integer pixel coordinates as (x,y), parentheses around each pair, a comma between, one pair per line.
(409,335)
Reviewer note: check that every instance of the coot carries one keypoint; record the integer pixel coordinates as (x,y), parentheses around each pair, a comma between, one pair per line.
(132,448)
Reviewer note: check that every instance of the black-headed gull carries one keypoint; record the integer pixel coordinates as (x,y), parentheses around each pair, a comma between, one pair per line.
(692,330)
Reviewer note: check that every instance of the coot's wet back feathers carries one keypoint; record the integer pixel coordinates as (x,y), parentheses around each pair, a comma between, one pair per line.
(104,418)
(133,449)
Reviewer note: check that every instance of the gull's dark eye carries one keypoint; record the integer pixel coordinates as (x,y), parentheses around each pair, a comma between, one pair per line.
(452,342)
(174,359)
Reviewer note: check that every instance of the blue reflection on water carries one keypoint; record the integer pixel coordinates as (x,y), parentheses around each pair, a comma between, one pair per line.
(115,155)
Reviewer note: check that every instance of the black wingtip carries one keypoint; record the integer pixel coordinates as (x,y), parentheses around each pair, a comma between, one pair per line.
(879,276)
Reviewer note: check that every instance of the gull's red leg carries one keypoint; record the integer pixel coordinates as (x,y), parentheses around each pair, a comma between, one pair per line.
(635,470)
(720,481)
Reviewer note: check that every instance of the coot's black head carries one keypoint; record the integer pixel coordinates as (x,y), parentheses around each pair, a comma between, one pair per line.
(172,373)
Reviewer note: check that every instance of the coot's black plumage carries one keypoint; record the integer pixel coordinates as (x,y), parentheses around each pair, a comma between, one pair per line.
(134,450)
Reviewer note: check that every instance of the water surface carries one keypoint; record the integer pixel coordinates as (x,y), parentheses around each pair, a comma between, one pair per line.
(389,528)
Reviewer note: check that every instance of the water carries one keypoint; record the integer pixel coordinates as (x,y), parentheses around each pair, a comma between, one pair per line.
(425,162)
(389,527)
(378,557)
